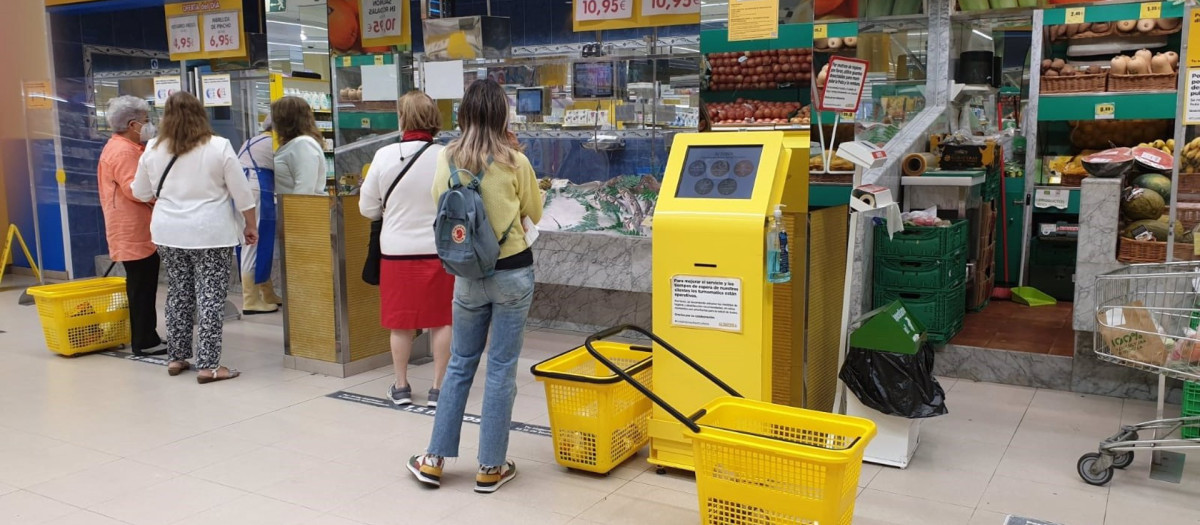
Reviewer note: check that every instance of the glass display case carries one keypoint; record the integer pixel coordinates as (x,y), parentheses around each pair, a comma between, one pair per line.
(367,89)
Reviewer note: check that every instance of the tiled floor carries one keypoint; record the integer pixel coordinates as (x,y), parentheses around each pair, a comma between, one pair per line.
(1006,325)
(104,441)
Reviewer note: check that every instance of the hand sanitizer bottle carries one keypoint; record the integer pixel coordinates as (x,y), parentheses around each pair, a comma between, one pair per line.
(779,269)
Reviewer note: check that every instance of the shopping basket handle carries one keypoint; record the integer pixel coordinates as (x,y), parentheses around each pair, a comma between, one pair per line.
(687,421)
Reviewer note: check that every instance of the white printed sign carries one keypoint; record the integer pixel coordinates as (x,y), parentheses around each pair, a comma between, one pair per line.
(217,90)
(670,7)
(164,87)
(591,10)
(382,19)
(222,32)
(1193,97)
(183,34)
(844,85)
(706,302)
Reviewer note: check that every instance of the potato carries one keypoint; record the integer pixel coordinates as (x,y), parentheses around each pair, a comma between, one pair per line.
(1167,24)
(1126,26)
(1094,70)
(1051,73)
(1058,64)
(1068,70)
(1101,28)
(1144,54)
(1072,29)
(1145,25)
(1119,65)
(1060,32)
(1046,63)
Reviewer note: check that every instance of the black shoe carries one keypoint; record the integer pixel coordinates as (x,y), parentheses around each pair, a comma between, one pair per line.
(144,353)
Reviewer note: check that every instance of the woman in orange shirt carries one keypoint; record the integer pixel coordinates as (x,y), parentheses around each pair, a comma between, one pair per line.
(127,220)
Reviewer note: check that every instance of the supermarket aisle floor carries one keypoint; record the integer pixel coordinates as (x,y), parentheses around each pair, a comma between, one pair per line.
(99,440)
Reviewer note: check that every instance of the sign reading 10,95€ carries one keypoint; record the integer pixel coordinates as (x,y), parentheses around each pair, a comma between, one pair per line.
(589,10)
(205,29)
(670,7)
(383,22)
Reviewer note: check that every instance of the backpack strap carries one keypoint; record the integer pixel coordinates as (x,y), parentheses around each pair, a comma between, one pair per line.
(477,179)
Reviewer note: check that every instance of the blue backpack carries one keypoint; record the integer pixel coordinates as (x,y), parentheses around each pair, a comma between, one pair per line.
(466,242)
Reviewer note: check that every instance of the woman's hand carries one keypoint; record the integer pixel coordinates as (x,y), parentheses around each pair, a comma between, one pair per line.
(251,235)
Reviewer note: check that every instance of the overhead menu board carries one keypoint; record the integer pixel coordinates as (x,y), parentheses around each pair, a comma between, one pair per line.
(599,15)
(384,23)
(205,29)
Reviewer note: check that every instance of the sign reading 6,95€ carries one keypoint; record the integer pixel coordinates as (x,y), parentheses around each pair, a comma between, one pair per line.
(588,10)
(670,7)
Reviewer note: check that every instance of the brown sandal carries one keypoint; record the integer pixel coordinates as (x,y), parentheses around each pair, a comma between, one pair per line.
(216,375)
(175,368)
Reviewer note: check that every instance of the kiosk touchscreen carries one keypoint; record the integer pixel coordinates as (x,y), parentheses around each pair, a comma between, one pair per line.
(712,299)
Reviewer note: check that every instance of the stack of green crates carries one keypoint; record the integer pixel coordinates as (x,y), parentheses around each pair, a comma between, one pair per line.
(1191,407)
(926,269)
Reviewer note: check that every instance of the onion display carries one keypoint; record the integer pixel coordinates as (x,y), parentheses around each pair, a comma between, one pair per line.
(731,71)
(758,112)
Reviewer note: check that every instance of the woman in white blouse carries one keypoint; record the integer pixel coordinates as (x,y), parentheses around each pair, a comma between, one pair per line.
(198,183)
(300,159)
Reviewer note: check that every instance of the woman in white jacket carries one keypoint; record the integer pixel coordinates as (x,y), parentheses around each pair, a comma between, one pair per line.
(415,292)
(198,183)
(300,159)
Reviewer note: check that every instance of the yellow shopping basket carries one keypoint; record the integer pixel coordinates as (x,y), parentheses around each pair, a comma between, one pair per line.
(83,316)
(763,464)
(597,420)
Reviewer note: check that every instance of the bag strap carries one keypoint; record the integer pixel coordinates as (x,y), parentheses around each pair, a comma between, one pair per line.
(166,172)
(411,161)
(477,179)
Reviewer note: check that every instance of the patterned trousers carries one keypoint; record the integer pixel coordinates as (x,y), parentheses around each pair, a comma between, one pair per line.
(196,279)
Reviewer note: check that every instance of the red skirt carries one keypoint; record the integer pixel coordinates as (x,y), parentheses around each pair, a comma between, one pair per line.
(414,294)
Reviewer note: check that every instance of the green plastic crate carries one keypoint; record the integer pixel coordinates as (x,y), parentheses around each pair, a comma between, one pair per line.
(946,335)
(922,241)
(991,186)
(1191,407)
(939,310)
(928,273)
(1053,252)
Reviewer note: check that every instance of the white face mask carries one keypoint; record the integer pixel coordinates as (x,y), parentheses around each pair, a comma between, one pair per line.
(147,132)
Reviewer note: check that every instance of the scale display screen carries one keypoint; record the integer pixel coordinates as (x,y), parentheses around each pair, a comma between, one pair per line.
(530,101)
(719,172)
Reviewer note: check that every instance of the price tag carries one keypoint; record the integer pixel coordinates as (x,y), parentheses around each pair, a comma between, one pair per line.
(1151,10)
(847,116)
(382,19)
(590,10)
(821,31)
(365,123)
(1075,15)
(346,61)
(1106,111)
(670,7)
(222,32)
(379,60)
(183,34)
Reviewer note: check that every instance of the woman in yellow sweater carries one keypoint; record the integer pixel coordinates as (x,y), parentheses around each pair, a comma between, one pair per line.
(499,303)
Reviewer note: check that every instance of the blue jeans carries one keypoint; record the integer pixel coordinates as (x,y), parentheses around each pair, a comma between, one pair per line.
(499,303)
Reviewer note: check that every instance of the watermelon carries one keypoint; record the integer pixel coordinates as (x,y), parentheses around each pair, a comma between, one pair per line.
(1140,204)
(1153,181)
(1155,227)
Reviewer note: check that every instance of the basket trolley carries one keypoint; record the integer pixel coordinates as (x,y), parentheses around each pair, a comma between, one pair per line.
(763,464)
(83,316)
(1169,295)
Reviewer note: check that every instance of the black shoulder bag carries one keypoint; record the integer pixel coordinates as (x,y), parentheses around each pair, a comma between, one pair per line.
(163,179)
(370,272)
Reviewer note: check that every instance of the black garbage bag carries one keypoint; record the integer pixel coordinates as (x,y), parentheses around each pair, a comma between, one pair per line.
(895,384)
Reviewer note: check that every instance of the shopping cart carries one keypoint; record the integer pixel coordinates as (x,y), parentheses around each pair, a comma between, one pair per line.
(1147,316)
(762,464)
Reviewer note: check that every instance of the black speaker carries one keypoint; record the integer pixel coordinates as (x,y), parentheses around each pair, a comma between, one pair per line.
(976,67)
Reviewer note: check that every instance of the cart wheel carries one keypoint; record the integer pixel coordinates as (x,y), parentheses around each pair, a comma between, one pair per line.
(1122,460)
(1086,467)
(661,471)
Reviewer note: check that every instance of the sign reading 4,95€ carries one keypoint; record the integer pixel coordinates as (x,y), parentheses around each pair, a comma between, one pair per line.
(205,29)
(588,10)
(670,7)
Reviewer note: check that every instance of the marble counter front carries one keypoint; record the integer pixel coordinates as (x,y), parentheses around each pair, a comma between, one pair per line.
(591,281)
(1100,211)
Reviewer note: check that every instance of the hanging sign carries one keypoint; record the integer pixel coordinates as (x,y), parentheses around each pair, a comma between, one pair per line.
(753,20)
(217,90)
(593,10)
(1192,114)
(38,95)
(844,85)
(384,22)
(1193,49)
(164,87)
(670,7)
(706,302)
(205,29)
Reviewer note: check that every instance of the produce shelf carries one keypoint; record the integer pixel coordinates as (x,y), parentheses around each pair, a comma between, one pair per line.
(368,120)
(364,60)
(837,29)
(790,36)
(1110,12)
(1082,106)
(785,94)
(823,195)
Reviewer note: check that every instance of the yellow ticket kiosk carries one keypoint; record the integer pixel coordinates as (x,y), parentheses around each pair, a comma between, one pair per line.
(712,299)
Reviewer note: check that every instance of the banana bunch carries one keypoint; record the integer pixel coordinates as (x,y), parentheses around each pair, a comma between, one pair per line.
(1167,146)
(1191,157)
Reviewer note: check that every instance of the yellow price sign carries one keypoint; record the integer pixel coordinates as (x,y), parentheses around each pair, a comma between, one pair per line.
(847,115)
(379,60)
(346,61)
(1151,10)
(365,123)
(1075,15)
(1106,110)
(821,31)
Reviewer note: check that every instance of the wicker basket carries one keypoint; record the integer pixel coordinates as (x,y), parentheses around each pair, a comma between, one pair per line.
(831,178)
(1074,84)
(1188,214)
(1151,82)
(1133,251)
(1189,184)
